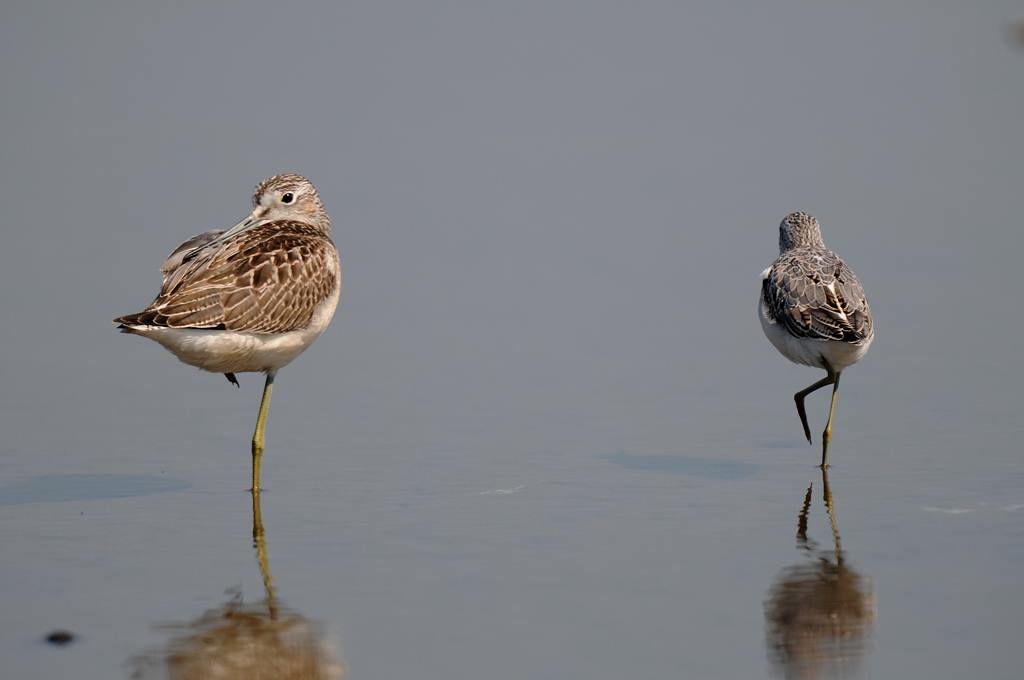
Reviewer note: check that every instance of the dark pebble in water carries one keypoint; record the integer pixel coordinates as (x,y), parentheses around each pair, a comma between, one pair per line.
(60,638)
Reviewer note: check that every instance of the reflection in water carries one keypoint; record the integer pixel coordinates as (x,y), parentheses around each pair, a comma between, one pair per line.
(250,641)
(1017,32)
(819,613)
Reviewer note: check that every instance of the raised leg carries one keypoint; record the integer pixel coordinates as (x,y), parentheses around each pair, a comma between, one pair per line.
(232,379)
(826,436)
(799,398)
(258,435)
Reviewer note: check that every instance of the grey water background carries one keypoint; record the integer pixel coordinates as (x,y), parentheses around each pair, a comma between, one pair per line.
(544,436)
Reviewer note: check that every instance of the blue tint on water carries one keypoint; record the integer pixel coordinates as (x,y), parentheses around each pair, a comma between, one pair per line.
(63,488)
(691,466)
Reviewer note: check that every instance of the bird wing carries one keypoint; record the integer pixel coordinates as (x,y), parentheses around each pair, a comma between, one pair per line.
(268,279)
(817,296)
(187,251)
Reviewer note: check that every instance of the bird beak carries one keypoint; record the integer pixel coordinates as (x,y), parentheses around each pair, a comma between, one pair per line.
(251,220)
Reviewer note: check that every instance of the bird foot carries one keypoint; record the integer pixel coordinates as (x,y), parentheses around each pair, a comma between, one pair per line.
(232,379)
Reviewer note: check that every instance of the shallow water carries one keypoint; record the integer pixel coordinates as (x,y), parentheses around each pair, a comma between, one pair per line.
(497,558)
(544,436)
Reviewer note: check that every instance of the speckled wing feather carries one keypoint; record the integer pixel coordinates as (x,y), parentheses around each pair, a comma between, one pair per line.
(268,279)
(814,294)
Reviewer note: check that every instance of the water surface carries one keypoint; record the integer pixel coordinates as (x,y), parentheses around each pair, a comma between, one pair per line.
(544,437)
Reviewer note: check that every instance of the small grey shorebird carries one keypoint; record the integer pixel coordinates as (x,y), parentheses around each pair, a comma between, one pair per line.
(253,297)
(814,311)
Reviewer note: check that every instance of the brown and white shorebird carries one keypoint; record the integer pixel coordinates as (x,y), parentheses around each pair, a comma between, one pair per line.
(253,297)
(814,311)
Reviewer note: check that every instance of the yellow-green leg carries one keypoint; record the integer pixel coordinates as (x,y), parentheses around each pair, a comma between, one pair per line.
(258,439)
(799,398)
(826,436)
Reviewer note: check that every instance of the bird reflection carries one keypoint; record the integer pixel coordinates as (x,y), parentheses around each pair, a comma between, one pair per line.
(238,640)
(1017,32)
(819,613)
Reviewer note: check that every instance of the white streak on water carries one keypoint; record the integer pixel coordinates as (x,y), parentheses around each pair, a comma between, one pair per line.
(503,492)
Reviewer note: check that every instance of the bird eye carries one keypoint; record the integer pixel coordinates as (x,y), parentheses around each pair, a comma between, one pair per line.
(288,197)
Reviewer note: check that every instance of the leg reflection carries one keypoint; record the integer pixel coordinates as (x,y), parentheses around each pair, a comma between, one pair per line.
(237,641)
(819,613)
(259,542)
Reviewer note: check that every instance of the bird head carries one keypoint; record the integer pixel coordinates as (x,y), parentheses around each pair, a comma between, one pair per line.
(289,197)
(799,230)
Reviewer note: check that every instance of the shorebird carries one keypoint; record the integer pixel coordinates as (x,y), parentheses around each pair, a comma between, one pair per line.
(814,311)
(251,298)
